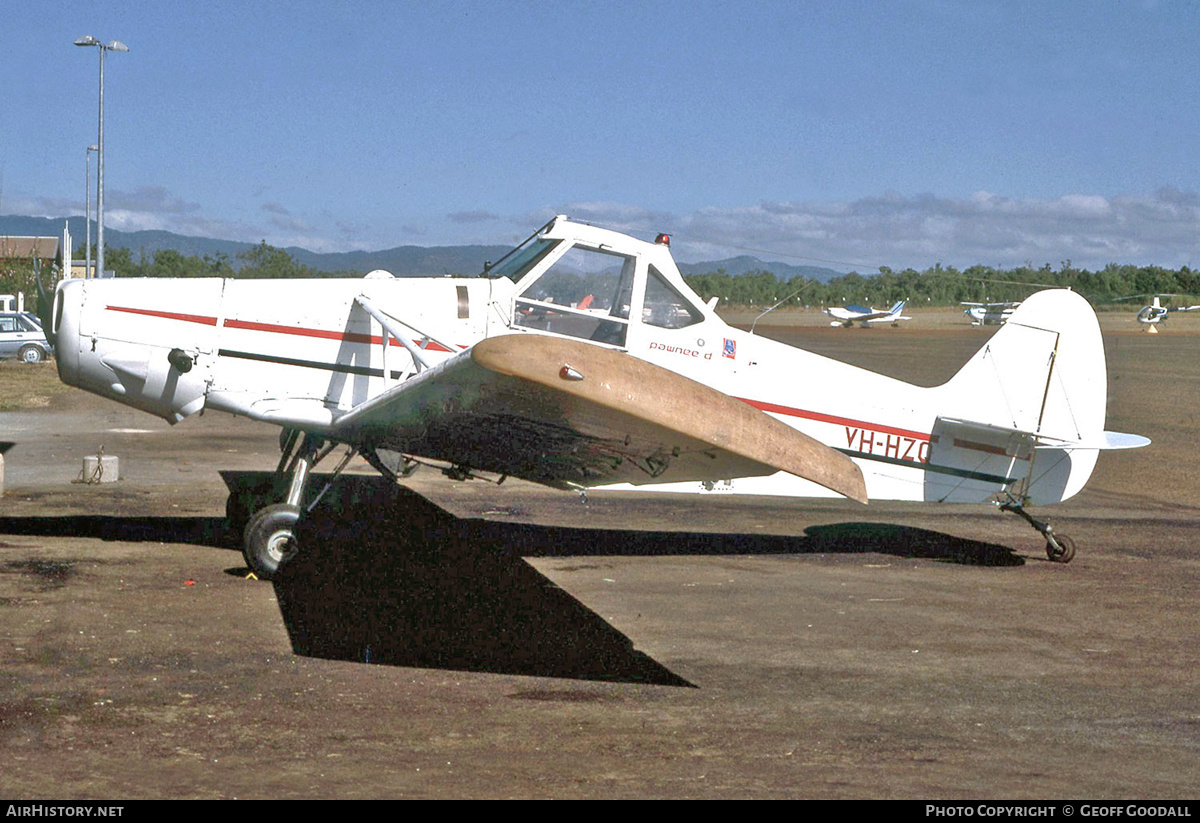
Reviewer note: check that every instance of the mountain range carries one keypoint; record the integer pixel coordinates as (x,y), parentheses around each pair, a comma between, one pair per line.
(402,261)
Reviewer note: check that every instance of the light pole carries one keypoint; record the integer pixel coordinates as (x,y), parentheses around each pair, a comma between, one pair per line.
(115,45)
(87,207)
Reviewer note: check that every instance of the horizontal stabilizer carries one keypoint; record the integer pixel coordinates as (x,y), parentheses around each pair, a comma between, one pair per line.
(1121,440)
(982,437)
(1105,442)
(1009,438)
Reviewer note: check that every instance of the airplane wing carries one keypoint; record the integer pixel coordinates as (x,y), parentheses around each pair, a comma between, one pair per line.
(569,414)
(880,315)
(856,312)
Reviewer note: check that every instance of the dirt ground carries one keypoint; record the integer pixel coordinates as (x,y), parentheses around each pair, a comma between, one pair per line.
(455,640)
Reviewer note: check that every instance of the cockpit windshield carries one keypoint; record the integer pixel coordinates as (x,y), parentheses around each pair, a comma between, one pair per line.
(592,288)
(520,260)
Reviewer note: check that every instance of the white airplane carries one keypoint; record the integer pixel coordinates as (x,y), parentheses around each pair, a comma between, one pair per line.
(989,314)
(502,374)
(1156,312)
(849,315)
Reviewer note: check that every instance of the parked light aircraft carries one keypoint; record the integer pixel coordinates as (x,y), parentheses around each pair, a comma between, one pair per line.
(644,388)
(849,315)
(989,314)
(1156,312)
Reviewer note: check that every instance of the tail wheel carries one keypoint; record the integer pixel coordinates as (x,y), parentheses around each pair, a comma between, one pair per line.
(1060,548)
(271,539)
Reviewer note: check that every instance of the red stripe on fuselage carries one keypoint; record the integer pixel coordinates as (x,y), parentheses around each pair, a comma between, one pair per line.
(168,315)
(251,325)
(274,328)
(821,417)
(348,337)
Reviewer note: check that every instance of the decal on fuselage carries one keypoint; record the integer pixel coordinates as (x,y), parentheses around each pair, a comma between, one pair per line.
(680,350)
(863,439)
(872,443)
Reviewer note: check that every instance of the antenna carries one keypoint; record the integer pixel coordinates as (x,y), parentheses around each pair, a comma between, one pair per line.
(807,283)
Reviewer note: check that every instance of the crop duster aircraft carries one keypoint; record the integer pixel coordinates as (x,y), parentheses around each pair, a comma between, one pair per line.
(583,360)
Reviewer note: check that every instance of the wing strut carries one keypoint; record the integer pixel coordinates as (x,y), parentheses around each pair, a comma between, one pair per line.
(391,326)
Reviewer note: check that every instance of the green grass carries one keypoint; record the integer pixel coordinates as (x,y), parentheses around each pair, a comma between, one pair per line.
(28,386)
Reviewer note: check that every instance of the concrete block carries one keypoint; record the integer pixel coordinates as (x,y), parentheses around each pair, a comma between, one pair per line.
(4,446)
(100,468)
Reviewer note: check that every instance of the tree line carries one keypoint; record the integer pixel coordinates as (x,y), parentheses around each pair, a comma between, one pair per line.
(261,261)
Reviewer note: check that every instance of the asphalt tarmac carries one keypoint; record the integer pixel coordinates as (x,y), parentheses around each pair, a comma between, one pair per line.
(468,640)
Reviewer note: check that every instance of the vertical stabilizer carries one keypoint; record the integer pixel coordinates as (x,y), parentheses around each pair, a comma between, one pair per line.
(1041,380)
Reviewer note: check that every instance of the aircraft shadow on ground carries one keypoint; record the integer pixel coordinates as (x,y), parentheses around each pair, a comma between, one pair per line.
(388,577)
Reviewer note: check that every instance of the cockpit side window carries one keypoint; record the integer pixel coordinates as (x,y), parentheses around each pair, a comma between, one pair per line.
(586,293)
(665,307)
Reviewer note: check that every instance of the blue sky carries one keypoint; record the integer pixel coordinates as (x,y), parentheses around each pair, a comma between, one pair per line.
(868,133)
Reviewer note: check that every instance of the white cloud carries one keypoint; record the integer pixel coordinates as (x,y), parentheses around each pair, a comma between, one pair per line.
(1090,230)
(1083,205)
(153,199)
(888,229)
(472,217)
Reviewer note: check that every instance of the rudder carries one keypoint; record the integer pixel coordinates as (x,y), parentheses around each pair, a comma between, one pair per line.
(1029,406)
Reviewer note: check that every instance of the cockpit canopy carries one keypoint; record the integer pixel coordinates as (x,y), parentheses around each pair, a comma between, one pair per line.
(589,283)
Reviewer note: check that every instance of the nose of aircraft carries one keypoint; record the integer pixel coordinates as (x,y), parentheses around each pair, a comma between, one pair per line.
(64,324)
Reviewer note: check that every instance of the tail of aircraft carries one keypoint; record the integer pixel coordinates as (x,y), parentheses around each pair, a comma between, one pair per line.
(1029,405)
(899,307)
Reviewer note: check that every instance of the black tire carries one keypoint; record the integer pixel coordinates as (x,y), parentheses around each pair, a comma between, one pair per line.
(31,354)
(271,539)
(1063,552)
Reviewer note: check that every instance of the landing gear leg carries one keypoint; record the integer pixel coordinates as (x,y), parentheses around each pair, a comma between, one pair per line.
(269,537)
(1059,547)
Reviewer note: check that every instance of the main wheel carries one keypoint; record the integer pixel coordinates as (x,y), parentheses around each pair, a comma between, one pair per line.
(31,354)
(1060,548)
(271,539)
